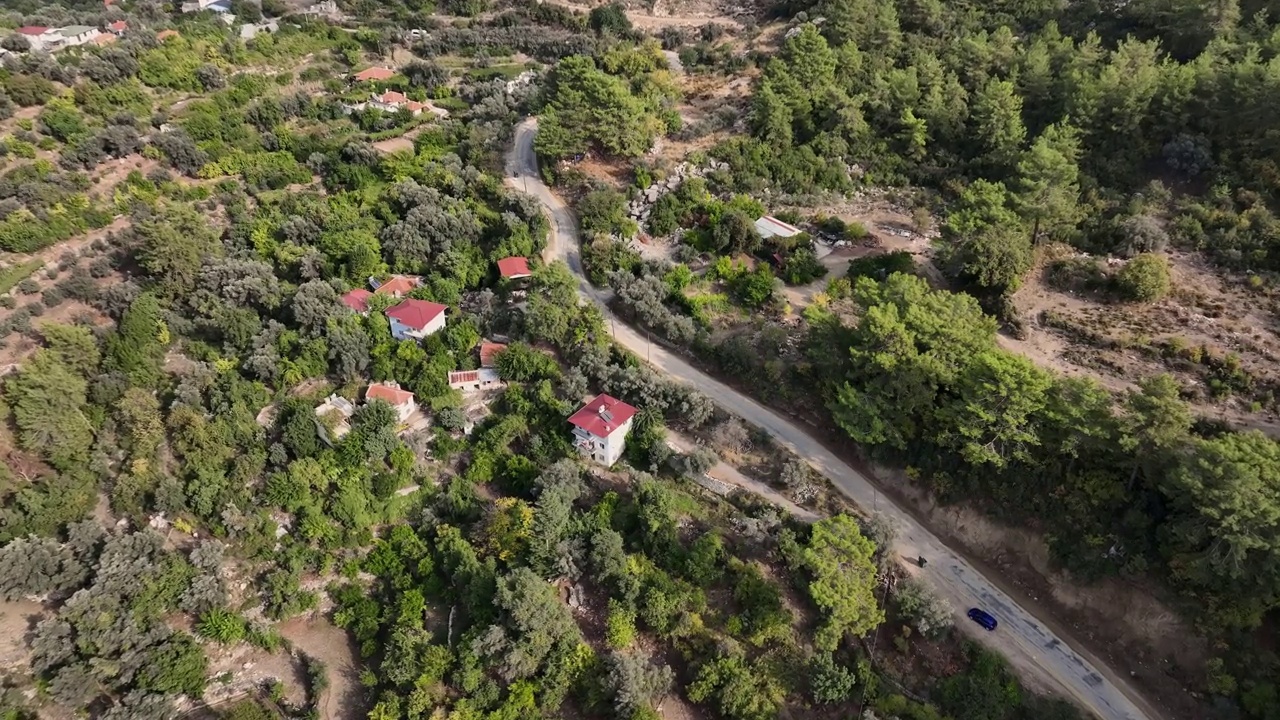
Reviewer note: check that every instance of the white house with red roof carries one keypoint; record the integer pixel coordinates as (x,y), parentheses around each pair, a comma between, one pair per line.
(357,300)
(118,27)
(401,400)
(514,268)
(416,319)
(40,37)
(392,101)
(600,429)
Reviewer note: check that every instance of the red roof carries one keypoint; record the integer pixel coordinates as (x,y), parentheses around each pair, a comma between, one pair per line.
(417,314)
(603,415)
(514,267)
(33,30)
(398,285)
(489,351)
(374,73)
(392,394)
(357,299)
(391,97)
(106,39)
(463,376)
(118,25)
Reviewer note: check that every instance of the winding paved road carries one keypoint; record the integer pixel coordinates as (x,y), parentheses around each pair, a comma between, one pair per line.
(1026,641)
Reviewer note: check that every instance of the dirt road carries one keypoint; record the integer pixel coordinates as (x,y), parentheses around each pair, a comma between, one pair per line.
(729,474)
(1043,655)
(656,22)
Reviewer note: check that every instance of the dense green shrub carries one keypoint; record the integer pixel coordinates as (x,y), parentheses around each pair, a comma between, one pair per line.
(1144,278)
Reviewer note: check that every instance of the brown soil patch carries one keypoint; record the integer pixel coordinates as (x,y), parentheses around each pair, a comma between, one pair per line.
(321,639)
(1208,309)
(19,347)
(17,618)
(111,173)
(404,143)
(614,172)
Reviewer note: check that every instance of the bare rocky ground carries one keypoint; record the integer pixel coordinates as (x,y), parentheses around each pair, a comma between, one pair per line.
(1209,310)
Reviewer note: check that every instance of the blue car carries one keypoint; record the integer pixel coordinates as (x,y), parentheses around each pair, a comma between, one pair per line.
(983,618)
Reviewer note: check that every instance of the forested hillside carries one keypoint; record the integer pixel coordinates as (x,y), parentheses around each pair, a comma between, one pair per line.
(284,435)
(1031,132)
(271,382)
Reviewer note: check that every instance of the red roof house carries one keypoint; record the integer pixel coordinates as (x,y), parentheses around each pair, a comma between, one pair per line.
(514,268)
(33,30)
(390,392)
(601,427)
(391,97)
(374,73)
(118,26)
(397,285)
(416,319)
(401,400)
(357,300)
(489,352)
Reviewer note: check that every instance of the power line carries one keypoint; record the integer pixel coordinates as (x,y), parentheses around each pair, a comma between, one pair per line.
(872,653)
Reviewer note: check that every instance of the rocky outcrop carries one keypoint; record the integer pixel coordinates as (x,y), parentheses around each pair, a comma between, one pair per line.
(640,206)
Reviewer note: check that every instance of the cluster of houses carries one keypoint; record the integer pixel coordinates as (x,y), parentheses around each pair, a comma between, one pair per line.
(413,319)
(222,8)
(390,101)
(600,427)
(49,39)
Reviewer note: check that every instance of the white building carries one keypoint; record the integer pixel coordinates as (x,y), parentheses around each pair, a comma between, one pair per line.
(218,6)
(769,226)
(401,400)
(332,416)
(416,319)
(250,31)
(472,380)
(600,429)
(40,37)
(77,34)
